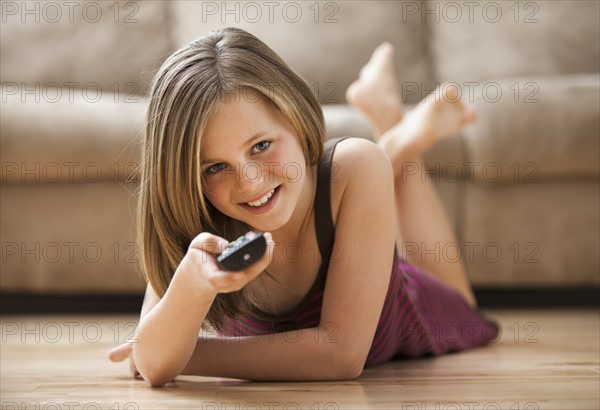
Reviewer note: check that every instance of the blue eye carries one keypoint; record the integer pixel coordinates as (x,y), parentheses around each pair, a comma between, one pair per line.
(263,145)
(215,168)
(258,147)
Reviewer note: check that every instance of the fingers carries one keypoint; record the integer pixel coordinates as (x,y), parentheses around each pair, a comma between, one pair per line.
(120,353)
(469,116)
(133,369)
(225,281)
(209,243)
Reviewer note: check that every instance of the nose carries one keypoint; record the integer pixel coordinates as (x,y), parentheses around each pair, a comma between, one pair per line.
(249,177)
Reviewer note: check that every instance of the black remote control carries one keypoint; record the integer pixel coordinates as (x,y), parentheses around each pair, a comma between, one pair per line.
(243,252)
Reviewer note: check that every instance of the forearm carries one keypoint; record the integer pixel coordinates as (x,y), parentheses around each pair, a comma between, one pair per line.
(304,355)
(168,333)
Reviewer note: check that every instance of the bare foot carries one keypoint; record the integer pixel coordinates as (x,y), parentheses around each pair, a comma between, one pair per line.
(440,115)
(375,93)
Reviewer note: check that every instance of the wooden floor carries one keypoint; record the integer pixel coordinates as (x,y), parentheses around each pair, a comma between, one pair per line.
(542,360)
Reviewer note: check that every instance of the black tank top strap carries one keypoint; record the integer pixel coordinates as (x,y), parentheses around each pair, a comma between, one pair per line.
(324,226)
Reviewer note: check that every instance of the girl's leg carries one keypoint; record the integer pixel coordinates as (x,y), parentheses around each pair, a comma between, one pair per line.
(421,217)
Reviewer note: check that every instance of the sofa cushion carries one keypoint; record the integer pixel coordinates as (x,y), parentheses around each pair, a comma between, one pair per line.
(69,141)
(69,238)
(112,46)
(532,235)
(325,42)
(476,41)
(549,131)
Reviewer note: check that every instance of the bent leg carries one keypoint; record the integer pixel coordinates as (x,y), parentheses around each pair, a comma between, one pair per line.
(424,224)
(421,216)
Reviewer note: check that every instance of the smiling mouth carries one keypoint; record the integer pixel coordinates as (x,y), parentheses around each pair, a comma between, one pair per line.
(264,200)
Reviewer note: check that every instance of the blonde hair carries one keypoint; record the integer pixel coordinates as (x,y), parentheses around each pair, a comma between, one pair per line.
(185,92)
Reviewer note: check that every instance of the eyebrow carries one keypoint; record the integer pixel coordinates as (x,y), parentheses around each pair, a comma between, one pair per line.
(249,141)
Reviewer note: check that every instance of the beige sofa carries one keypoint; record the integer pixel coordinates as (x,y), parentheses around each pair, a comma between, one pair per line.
(521,186)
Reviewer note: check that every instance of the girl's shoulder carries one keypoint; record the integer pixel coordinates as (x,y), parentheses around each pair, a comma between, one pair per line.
(357,163)
(357,159)
(357,146)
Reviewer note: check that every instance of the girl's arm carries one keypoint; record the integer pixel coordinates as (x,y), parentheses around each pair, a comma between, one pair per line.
(167,335)
(311,354)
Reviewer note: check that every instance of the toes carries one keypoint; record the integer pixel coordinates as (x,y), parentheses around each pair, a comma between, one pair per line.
(450,92)
(351,92)
(469,117)
(384,48)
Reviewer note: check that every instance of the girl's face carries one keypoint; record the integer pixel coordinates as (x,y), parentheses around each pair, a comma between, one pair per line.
(253,164)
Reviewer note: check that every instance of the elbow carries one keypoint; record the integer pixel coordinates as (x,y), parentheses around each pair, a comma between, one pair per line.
(349,367)
(352,371)
(158,382)
(354,364)
(153,373)
(156,378)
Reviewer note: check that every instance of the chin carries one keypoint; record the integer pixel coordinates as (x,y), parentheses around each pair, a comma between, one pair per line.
(269,224)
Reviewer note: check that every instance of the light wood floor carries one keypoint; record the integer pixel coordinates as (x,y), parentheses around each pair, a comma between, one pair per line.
(543,360)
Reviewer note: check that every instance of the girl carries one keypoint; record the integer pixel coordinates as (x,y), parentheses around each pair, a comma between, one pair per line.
(234,142)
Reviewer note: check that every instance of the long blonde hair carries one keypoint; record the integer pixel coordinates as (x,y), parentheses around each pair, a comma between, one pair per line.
(185,92)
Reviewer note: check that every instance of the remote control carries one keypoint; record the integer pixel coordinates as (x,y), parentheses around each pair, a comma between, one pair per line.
(243,252)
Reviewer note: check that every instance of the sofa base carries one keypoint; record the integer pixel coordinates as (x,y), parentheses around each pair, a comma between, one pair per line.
(488,298)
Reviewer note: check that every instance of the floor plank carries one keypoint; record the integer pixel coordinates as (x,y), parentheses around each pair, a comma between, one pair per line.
(543,359)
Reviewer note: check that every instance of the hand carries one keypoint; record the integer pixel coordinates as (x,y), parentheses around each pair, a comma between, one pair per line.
(201,261)
(122,352)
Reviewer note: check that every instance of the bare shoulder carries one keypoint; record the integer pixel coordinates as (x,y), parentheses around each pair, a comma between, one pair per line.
(357,162)
(355,149)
